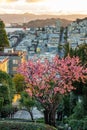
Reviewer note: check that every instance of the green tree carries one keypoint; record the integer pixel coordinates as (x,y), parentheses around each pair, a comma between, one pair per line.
(25,100)
(28,102)
(3,36)
(66,34)
(78,111)
(48,81)
(80,51)
(7,90)
(81,88)
(65,48)
(19,82)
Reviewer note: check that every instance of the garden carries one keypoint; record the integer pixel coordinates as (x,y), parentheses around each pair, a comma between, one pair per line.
(58,88)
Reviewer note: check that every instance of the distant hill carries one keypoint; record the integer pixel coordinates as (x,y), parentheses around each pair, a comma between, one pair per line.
(21,18)
(46,22)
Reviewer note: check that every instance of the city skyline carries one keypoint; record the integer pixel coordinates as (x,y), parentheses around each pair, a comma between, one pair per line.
(43,6)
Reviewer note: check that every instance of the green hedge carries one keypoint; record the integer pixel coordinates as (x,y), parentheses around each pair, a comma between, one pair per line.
(78,124)
(14,125)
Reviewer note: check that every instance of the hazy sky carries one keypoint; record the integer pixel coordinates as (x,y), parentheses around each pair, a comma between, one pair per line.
(43,6)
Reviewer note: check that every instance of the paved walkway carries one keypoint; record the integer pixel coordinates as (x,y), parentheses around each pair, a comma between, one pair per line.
(23,114)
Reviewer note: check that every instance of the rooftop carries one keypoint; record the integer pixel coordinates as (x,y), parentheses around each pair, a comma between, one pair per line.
(3,58)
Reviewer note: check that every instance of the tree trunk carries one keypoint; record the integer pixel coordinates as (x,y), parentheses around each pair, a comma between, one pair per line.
(49,117)
(31,114)
(52,120)
(46,116)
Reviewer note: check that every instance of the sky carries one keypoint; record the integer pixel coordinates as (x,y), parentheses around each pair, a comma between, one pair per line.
(43,6)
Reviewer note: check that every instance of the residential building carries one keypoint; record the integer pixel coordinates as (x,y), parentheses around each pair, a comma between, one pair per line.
(15,59)
(4,63)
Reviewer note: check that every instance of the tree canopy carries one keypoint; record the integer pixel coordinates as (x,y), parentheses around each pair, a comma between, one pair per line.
(49,79)
(7,90)
(3,36)
(19,82)
(28,102)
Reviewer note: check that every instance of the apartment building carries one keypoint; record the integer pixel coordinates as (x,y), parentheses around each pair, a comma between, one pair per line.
(15,59)
(4,63)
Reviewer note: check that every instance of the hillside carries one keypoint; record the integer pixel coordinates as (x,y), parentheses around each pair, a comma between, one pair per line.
(21,18)
(46,22)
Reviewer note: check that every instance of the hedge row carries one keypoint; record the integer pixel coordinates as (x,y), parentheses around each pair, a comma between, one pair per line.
(78,124)
(13,125)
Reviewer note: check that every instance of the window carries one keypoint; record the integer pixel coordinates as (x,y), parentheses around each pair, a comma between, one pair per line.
(15,61)
(9,51)
(14,68)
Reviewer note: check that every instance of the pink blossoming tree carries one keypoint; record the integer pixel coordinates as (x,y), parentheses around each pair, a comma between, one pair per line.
(48,80)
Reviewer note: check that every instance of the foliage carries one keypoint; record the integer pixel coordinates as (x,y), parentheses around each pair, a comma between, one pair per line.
(28,102)
(81,88)
(6,111)
(2,25)
(3,37)
(61,32)
(40,120)
(56,77)
(39,106)
(10,125)
(66,34)
(80,51)
(77,120)
(5,94)
(78,124)
(1,102)
(6,80)
(69,102)
(84,91)
(6,90)
(48,80)
(66,49)
(78,111)
(18,80)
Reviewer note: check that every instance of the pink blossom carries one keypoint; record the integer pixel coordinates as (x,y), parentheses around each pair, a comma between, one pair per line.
(46,80)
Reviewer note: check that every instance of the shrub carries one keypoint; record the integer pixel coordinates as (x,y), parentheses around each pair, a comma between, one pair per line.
(14,125)
(60,128)
(78,124)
